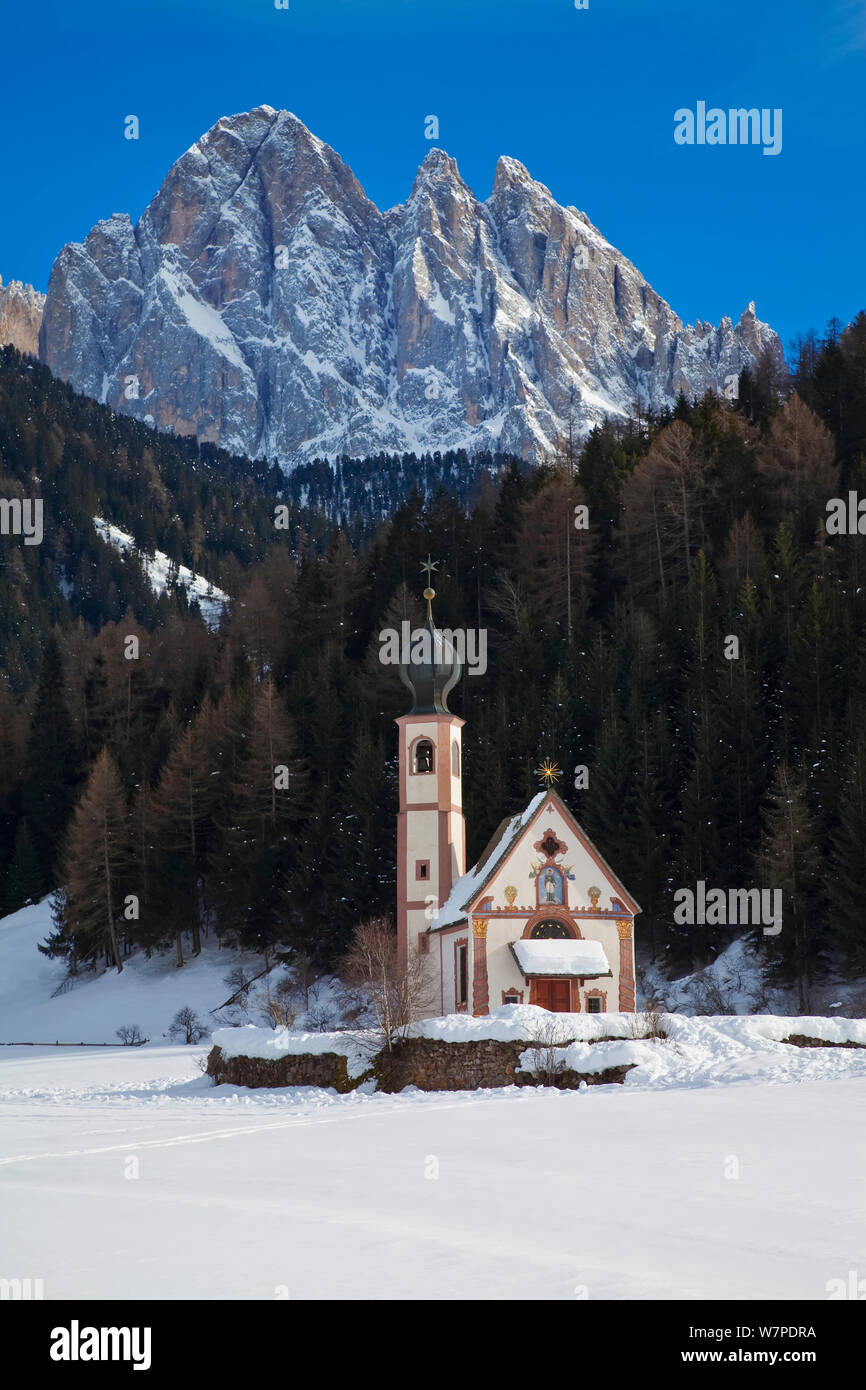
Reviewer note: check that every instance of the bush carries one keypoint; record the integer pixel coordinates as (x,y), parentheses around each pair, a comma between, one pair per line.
(649,1024)
(548,1038)
(238,980)
(187,1025)
(279,1006)
(130,1035)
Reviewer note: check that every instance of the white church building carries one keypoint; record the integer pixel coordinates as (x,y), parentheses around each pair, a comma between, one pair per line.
(540,919)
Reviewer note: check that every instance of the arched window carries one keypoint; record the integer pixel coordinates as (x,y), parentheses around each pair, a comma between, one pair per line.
(423,756)
(550,931)
(455,759)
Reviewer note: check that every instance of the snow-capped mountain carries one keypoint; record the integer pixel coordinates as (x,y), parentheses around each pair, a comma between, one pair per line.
(263,302)
(20,316)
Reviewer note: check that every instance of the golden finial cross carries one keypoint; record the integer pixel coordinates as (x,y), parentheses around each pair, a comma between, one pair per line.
(549,773)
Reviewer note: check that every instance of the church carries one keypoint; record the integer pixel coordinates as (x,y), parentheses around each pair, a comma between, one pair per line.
(541,918)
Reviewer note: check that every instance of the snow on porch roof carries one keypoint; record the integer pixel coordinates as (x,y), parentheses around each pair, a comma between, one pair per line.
(560,957)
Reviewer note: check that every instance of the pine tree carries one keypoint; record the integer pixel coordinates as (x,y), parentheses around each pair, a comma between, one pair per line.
(53,766)
(183,808)
(25,874)
(789,862)
(361,858)
(95,864)
(488,787)
(609,810)
(742,780)
(666,507)
(257,840)
(797,460)
(651,838)
(848,866)
(98,712)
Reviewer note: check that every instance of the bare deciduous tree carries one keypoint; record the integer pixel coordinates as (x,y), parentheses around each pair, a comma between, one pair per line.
(187,1025)
(396,992)
(130,1035)
(279,1005)
(306,974)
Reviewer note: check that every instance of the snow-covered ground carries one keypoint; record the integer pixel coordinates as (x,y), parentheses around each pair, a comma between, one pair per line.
(125,1174)
(728,1164)
(695,1051)
(147,993)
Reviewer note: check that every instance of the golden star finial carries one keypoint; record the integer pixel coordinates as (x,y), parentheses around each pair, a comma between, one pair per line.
(549,773)
(429,566)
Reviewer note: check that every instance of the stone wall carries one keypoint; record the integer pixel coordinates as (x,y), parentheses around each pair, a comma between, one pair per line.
(428,1063)
(434,1065)
(323,1069)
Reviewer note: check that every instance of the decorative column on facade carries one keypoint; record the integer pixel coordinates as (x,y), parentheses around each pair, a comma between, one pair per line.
(626,966)
(480,998)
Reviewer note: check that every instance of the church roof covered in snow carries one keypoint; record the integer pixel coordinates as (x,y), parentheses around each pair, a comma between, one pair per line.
(467,890)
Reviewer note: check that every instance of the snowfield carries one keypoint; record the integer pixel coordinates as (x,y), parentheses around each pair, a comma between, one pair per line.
(147,993)
(728,1165)
(125,1174)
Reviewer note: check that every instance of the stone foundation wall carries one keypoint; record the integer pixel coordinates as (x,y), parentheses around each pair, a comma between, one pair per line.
(323,1069)
(428,1063)
(434,1065)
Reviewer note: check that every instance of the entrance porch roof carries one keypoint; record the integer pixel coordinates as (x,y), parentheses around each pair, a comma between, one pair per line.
(584,959)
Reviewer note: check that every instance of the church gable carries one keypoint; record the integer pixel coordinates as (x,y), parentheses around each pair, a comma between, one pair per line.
(549,862)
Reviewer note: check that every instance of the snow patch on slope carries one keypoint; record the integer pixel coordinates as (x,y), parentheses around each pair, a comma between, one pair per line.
(160,572)
(202,319)
(40,1003)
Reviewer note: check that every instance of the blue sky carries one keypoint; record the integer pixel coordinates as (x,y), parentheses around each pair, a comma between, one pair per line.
(585,98)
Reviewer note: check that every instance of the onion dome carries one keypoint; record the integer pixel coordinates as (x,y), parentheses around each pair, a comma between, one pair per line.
(430,666)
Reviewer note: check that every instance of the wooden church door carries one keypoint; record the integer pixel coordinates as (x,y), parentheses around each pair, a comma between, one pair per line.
(554,995)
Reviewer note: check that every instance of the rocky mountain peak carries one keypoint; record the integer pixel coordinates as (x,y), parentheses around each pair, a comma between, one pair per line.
(21,308)
(510,174)
(436,167)
(264,302)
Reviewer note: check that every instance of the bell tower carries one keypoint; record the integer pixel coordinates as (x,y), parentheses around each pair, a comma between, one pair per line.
(431,834)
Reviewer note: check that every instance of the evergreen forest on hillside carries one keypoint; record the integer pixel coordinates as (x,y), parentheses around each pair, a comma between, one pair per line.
(153,778)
